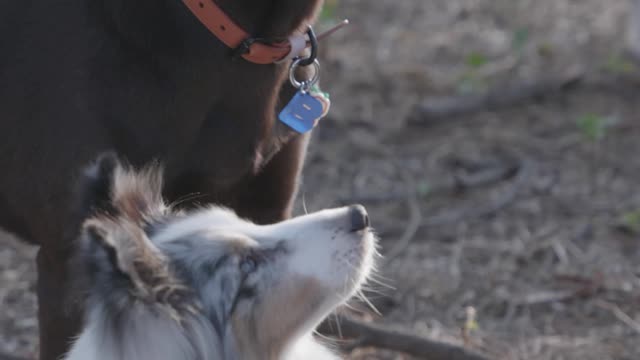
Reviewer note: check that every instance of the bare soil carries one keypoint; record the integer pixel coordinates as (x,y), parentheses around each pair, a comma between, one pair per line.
(516,213)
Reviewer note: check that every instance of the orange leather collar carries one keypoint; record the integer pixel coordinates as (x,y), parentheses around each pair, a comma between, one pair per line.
(232,35)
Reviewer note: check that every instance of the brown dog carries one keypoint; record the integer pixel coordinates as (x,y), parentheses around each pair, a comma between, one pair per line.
(147,80)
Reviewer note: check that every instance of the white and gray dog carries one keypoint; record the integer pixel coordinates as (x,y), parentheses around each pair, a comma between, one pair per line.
(204,284)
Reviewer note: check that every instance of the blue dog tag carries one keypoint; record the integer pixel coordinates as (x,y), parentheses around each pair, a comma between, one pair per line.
(304,110)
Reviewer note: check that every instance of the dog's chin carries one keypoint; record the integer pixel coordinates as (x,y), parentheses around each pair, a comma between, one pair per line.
(352,264)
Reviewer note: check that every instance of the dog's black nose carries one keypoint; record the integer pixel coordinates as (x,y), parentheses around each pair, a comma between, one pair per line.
(359,217)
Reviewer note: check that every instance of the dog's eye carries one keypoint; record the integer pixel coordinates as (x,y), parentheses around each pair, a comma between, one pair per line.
(248,264)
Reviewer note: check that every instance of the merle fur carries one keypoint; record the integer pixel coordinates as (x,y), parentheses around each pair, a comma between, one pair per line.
(205,282)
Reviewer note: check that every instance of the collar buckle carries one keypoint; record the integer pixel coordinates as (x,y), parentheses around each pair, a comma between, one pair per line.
(244,47)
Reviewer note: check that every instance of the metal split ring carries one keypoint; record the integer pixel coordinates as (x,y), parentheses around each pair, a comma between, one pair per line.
(305,84)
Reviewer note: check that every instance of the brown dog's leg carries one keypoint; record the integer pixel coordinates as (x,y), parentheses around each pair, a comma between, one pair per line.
(269,197)
(58,323)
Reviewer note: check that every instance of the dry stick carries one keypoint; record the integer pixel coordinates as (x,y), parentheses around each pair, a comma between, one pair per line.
(619,314)
(432,110)
(546,297)
(371,335)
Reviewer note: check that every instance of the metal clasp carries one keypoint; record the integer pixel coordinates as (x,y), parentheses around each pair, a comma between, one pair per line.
(304,85)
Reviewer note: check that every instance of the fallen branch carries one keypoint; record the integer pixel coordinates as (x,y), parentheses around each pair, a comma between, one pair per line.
(370,335)
(431,111)
(547,297)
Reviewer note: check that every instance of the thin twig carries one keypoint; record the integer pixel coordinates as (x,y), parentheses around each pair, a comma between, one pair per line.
(619,314)
(362,334)
(546,297)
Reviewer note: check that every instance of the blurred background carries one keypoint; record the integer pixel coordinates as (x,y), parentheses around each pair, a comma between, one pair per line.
(496,146)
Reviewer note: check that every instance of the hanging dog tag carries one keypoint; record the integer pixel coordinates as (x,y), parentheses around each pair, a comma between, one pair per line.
(304,110)
(308,105)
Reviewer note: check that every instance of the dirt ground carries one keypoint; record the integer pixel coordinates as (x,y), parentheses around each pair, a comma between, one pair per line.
(528,214)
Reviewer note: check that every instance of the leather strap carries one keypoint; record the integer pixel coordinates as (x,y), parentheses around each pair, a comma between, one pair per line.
(232,35)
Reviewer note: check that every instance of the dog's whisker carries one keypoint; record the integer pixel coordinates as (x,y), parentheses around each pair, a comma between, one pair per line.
(304,203)
(366,300)
(349,306)
(373,290)
(326,338)
(339,326)
(186,198)
(381,283)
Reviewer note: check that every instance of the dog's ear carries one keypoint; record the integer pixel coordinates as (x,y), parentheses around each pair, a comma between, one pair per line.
(118,203)
(109,186)
(96,184)
(118,254)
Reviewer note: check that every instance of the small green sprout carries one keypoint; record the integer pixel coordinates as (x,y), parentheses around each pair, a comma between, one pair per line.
(594,127)
(631,222)
(476,60)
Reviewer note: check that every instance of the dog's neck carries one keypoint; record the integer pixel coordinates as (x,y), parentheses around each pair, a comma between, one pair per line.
(169,25)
